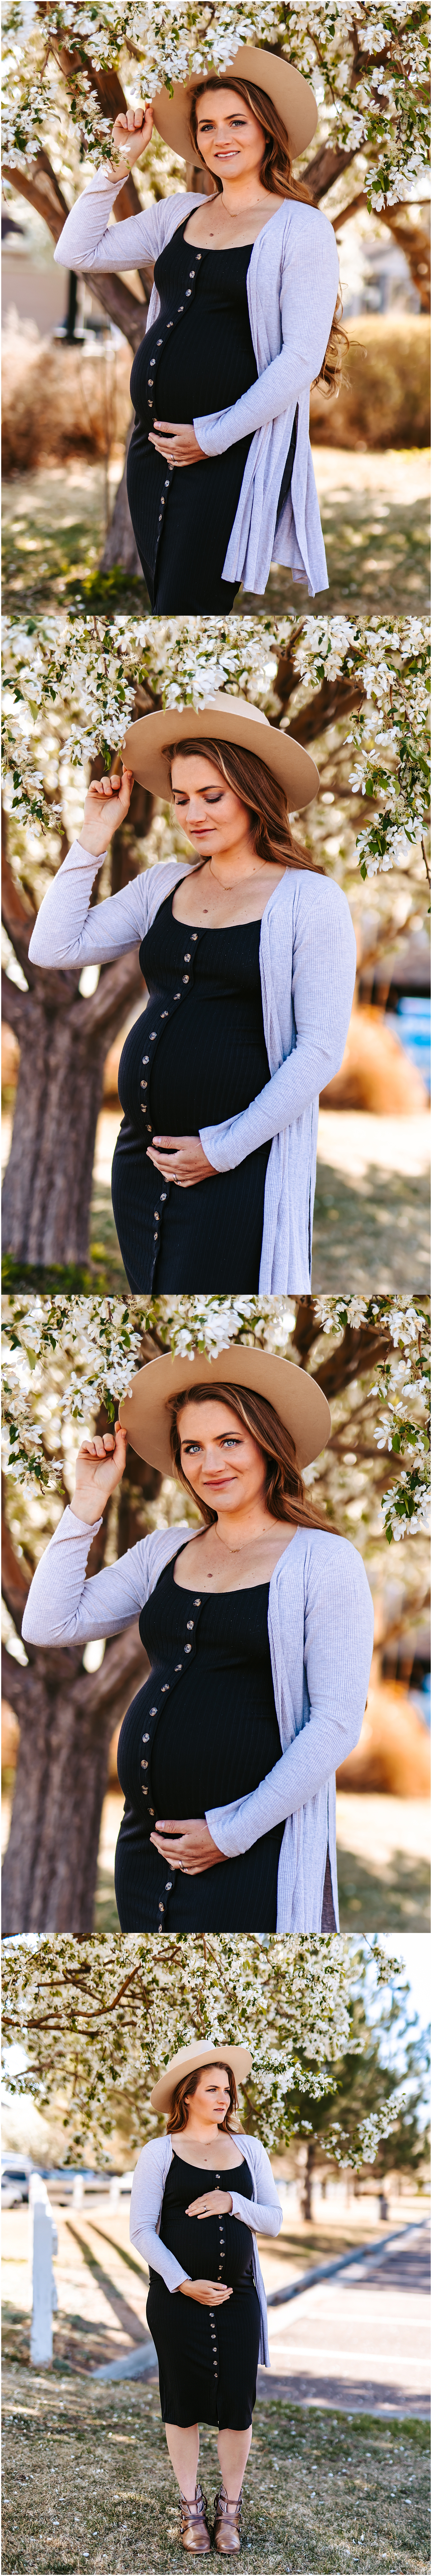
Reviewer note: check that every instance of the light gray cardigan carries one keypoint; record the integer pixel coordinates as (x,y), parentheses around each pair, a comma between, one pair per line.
(263,2213)
(292,285)
(320,1625)
(307,965)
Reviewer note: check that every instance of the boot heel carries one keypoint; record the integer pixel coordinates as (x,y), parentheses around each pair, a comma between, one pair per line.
(194,2530)
(226,2535)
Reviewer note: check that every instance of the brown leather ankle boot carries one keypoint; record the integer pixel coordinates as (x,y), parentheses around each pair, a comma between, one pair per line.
(193,2526)
(226,2533)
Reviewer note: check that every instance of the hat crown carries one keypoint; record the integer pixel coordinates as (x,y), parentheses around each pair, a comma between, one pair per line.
(224,698)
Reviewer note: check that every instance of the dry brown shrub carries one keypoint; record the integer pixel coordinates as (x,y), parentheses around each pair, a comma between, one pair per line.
(59,401)
(384,399)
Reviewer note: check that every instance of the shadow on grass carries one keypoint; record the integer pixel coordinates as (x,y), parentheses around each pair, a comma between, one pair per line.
(392,1898)
(374,1231)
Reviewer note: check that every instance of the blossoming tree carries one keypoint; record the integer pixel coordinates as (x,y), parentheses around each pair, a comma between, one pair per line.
(99,2023)
(71,688)
(69,73)
(67,1364)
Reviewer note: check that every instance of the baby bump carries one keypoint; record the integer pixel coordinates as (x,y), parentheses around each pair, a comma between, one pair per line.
(209,1063)
(197,2246)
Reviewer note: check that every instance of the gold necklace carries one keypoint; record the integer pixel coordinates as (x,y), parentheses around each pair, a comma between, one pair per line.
(238,1551)
(226,889)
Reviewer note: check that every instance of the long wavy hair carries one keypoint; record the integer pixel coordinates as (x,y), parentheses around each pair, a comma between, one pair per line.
(275,175)
(284,1490)
(178,2118)
(254,783)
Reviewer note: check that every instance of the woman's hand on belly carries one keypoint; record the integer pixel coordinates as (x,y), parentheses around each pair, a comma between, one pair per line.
(176,440)
(210,2205)
(192,1849)
(209,2294)
(181,1159)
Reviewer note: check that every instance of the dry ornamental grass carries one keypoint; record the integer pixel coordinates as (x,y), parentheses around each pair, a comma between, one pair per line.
(88,2485)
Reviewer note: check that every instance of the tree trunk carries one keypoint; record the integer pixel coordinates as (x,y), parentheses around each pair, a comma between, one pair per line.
(306,2198)
(66,1719)
(63,1041)
(48,1183)
(120,547)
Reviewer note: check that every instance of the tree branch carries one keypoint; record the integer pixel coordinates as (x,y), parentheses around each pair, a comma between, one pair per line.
(358,1350)
(118,986)
(14,1006)
(40,186)
(15,1579)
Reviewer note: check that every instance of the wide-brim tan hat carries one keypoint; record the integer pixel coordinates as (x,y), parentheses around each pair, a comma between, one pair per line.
(223,719)
(291,95)
(189,2060)
(300,1403)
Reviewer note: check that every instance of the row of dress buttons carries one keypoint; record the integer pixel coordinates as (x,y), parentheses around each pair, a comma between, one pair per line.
(154,1034)
(144,1767)
(154,1712)
(153,363)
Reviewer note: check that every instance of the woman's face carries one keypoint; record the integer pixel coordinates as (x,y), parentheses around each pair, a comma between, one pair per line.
(229,137)
(219,1457)
(211,2097)
(211,814)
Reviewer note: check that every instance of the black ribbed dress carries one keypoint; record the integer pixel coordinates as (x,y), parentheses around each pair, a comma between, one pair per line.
(208,2357)
(197,1055)
(198,357)
(202,1730)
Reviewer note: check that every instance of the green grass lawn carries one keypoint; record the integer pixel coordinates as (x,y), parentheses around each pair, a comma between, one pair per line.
(89,2486)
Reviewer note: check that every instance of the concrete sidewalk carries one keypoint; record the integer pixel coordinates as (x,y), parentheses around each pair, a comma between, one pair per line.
(359,2340)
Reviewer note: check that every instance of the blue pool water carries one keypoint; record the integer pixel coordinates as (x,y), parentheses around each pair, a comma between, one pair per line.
(411,1022)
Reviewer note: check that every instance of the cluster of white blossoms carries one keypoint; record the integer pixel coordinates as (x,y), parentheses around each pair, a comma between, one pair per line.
(63,1359)
(369,70)
(403,1390)
(353,2151)
(393,658)
(89,673)
(99,2020)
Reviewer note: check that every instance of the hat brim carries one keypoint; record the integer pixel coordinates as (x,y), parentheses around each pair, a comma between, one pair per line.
(190,2061)
(297,1399)
(290,94)
(223,719)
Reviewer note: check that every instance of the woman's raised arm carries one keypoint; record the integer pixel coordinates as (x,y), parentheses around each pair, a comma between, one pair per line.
(88,240)
(68,932)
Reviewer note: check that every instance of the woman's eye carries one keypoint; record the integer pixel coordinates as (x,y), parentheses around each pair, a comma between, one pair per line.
(191,1448)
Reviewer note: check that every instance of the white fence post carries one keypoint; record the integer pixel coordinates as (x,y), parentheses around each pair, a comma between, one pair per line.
(43,2244)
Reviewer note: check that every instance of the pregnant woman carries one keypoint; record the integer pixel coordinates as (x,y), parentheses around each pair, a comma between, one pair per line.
(198,2197)
(258,1632)
(249,961)
(242,320)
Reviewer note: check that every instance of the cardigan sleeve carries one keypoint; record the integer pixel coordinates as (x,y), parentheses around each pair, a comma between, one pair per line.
(145,2209)
(309,286)
(63,1609)
(264,2215)
(338,1640)
(89,243)
(68,932)
(323,978)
